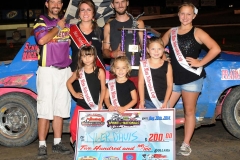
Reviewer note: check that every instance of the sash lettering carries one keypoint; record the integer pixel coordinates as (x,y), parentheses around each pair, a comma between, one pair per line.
(113,92)
(85,91)
(149,83)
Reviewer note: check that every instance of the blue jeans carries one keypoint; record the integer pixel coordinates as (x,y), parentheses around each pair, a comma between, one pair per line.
(150,105)
(195,86)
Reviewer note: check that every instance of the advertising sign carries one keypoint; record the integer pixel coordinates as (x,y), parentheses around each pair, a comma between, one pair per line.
(135,11)
(12,14)
(33,13)
(134,135)
(173,3)
(152,10)
(208,2)
(194,2)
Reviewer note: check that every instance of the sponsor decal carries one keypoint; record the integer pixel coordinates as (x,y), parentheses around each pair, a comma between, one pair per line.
(124,120)
(93,120)
(87,158)
(230,74)
(30,12)
(12,14)
(30,52)
(153,156)
(159,156)
(19,80)
(129,156)
(110,158)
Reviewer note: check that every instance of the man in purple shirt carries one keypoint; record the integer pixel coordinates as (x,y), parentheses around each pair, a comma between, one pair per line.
(53,101)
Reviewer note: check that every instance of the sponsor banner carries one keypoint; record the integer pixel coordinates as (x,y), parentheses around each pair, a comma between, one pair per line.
(152,10)
(135,11)
(194,2)
(11,14)
(134,135)
(173,3)
(33,13)
(208,2)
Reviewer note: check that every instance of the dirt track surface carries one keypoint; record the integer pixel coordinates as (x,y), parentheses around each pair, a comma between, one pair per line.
(208,143)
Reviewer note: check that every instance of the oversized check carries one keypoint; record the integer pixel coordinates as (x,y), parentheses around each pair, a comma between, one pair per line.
(134,135)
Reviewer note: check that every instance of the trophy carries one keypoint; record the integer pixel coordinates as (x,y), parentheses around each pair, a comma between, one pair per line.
(133,48)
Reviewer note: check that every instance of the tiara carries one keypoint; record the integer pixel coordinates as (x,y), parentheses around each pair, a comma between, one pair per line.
(86,45)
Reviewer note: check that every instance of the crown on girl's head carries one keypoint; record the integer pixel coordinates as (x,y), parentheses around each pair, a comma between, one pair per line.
(86,45)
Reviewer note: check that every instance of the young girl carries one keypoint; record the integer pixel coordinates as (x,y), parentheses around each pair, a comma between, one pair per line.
(92,82)
(155,77)
(120,91)
(185,43)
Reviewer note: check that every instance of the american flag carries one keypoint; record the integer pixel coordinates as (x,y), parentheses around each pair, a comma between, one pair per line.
(103,9)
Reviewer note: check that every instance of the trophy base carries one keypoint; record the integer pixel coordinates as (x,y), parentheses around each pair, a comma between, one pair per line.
(135,67)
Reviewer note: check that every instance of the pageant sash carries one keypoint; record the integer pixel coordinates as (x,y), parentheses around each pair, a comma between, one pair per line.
(85,91)
(180,58)
(79,40)
(149,83)
(113,93)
